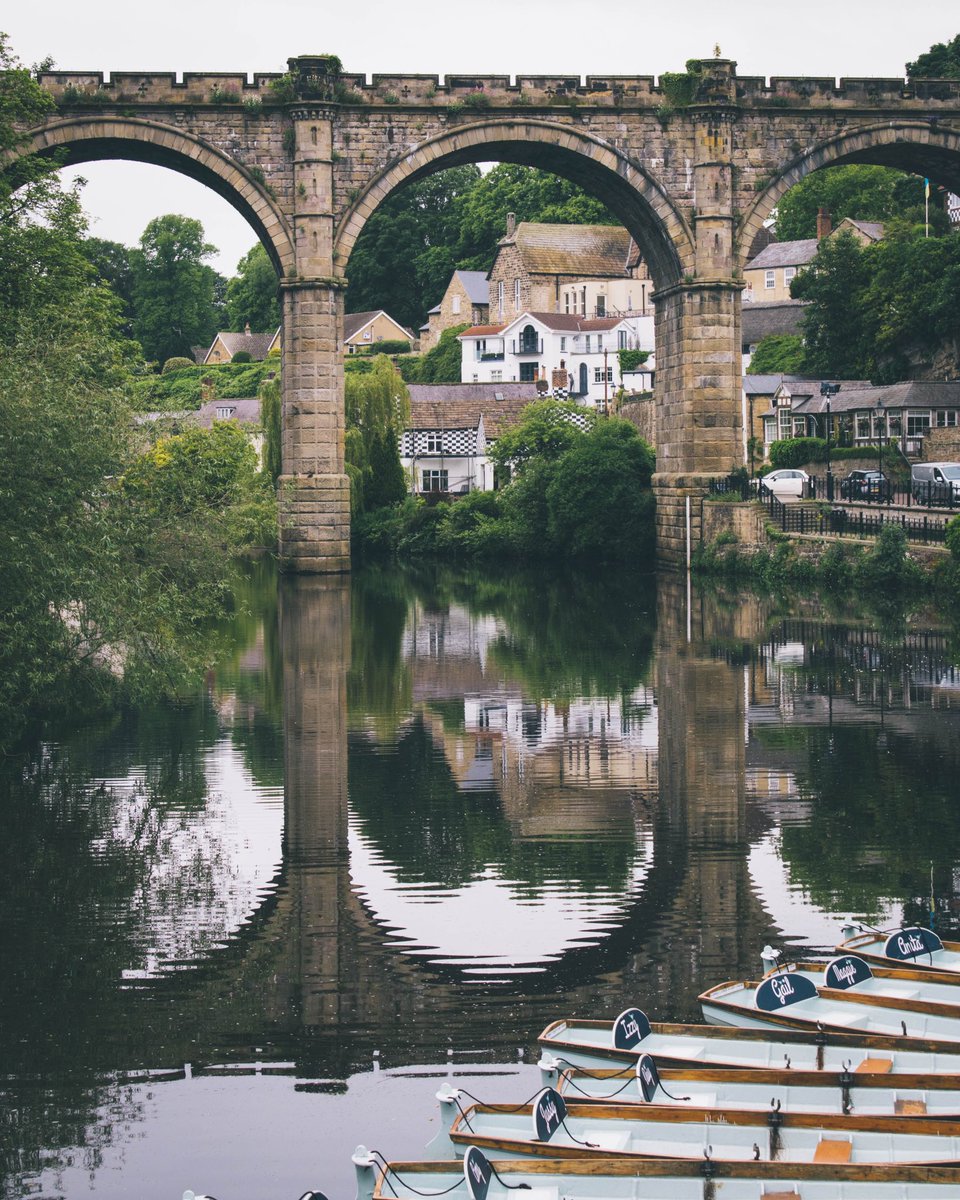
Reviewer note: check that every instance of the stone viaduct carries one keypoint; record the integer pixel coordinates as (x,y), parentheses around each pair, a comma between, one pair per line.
(692,168)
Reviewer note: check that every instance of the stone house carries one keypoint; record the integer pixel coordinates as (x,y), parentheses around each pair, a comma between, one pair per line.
(921,417)
(466,300)
(768,276)
(538,345)
(225,345)
(444,447)
(362,331)
(580,270)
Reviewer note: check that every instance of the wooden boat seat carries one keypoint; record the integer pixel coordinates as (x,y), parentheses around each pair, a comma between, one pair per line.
(874,1066)
(833,1150)
(780,1196)
(910,1108)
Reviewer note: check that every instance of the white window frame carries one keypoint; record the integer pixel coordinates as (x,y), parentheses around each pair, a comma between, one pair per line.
(516,294)
(769,279)
(500,297)
(455,305)
(434,442)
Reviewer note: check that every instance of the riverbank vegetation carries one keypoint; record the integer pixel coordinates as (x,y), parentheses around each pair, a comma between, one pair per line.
(580,490)
(113,554)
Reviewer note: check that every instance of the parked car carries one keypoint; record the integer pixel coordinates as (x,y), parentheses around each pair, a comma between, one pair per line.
(936,482)
(786,481)
(866,485)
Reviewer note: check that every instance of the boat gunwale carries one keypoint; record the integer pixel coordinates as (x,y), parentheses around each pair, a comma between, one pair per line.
(782,1076)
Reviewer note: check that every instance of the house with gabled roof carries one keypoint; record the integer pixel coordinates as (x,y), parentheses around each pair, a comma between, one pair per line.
(580,270)
(451,426)
(465,301)
(363,330)
(226,345)
(769,274)
(538,345)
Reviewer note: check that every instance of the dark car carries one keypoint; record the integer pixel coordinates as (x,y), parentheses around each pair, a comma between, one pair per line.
(866,485)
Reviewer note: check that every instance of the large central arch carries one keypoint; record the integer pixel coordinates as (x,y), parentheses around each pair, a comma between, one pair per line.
(630,192)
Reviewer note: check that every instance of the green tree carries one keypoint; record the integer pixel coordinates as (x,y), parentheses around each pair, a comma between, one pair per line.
(174,291)
(270,415)
(252,294)
(532,195)
(599,501)
(377,410)
(865,193)
(406,252)
(547,429)
(111,261)
(836,327)
(441,363)
(941,61)
(777,353)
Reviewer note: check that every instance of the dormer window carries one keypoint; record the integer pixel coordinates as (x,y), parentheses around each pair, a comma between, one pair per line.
(225,412)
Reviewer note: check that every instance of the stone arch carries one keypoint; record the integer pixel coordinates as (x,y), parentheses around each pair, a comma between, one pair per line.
(89,139)
(921,146)
(630,192)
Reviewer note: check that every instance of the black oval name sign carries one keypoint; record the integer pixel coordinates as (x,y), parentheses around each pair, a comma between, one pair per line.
(648,1077)
(846,972)
(910,943)
(549,1111)
(780,990)
(630,1028)
(477,1172)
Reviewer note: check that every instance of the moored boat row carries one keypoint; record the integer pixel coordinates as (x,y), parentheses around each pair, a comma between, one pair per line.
(824,1080)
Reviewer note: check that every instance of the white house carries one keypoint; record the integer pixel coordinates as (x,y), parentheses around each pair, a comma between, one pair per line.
(538,345)
(444,447)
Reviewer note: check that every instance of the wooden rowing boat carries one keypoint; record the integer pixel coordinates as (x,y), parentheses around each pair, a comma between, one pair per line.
(916,1097)
(921,948)
(549,1127)
(843,993)
(479,1178)
(595,1044)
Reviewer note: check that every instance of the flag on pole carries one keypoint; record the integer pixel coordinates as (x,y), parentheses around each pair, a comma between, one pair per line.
(926,188)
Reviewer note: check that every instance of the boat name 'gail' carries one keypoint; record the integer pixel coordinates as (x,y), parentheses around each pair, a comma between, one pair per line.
(782,988)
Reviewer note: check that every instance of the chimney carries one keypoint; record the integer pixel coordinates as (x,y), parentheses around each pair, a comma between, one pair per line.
(246,329)
(208,389)
(824,224)
(559,379)
(511,224)
(541,387)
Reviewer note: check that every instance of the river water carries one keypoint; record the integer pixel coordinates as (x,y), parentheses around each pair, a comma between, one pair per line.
(408,821)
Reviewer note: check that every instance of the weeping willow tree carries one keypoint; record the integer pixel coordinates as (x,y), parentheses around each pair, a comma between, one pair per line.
(270,405)
(377,410)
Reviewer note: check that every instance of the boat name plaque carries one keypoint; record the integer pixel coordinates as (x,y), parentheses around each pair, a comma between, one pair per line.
(910,943)
(780,990)
(477,1172)
(846,972)
(549,1111)
(648,1077)
(630,1028)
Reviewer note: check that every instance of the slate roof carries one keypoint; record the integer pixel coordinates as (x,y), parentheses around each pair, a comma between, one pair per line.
(774,317)
(482,331)
(581,250)
(246,410)
(476,285)
(255,344)
(911,393)
(870,229)
(460,405)
(784,254)
(570,322)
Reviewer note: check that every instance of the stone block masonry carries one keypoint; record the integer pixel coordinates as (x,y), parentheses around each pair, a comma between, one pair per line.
(308,156)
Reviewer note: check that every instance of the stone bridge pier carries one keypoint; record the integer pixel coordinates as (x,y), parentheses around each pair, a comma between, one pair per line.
(307,157)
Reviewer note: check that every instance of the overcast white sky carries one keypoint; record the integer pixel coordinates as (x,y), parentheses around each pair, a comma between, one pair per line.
(616,37)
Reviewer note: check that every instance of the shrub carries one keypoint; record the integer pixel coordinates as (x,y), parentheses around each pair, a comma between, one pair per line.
(953,537)
(631,359)
(390,347)
(242,356)
(794,452)
(176,364)
(886,567)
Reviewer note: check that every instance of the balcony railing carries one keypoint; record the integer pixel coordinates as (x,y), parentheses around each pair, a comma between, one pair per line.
(527,346)
(490,356)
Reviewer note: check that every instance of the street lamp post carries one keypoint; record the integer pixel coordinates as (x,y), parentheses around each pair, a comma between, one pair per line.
(879,437)
(827,390)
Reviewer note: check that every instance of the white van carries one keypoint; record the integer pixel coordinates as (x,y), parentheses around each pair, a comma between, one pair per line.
(936,482)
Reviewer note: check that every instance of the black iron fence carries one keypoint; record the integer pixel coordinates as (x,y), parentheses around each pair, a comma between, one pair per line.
(926,524)
(876,491)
